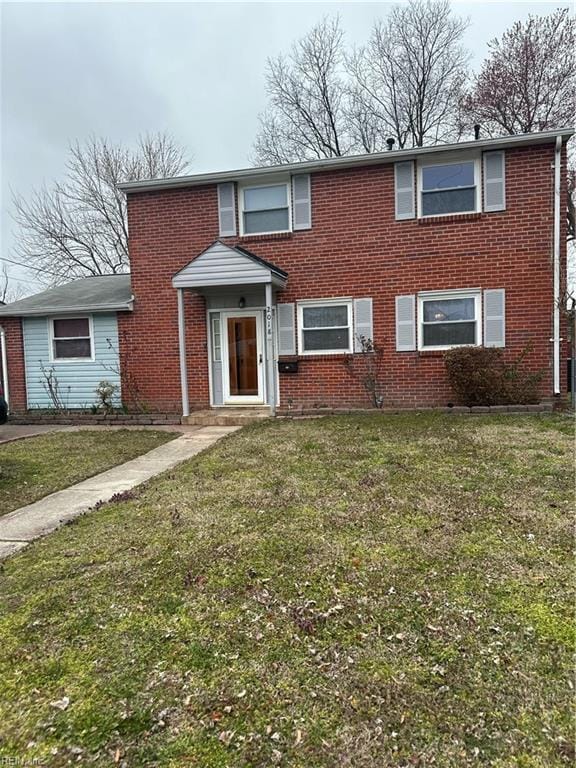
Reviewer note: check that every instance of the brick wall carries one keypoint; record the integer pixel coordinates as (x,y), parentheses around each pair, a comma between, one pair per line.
(15,358)
(357,249)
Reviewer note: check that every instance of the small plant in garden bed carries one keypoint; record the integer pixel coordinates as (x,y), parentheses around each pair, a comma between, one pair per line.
(482,376)
(366,367)
(105,392)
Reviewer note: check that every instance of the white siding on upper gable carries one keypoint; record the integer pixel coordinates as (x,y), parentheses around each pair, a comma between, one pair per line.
(221,265)
(77,379)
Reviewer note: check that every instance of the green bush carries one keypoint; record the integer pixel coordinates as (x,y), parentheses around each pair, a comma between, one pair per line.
(481,376)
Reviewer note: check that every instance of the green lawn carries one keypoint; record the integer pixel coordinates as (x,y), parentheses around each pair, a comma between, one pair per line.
(362,591)
(34,467)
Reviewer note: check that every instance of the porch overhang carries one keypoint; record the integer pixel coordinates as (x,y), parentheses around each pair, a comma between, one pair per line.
(222,265)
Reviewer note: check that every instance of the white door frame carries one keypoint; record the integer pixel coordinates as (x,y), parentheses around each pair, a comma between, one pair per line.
(260,398)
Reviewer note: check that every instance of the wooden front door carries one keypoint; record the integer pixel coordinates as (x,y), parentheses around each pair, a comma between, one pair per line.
(244,358)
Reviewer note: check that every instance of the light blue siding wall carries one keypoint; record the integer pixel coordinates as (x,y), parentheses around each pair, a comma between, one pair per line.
(77,380)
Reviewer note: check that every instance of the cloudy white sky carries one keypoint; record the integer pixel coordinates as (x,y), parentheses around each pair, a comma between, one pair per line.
(119,69)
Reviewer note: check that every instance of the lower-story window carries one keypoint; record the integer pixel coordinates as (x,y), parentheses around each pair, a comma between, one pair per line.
(72,338)
(325,327)
(449,319)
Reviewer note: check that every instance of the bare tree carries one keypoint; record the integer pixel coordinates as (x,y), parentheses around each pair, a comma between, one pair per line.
(527,82)
(406,83)
(306,117)
(8,291)
(408,80)
(78,227)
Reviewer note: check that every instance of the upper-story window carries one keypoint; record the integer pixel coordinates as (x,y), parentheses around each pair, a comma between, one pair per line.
(449,188)
(265,209)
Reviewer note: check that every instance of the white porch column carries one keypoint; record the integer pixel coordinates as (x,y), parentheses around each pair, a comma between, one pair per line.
(270,361)
(182,350)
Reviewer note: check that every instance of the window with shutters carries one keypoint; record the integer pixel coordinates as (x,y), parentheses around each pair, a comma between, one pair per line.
(325,327)
(449,187)
(449,319)
(265,209)
(71,338)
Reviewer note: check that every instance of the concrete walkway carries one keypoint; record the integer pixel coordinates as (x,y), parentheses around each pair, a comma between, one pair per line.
(20,527)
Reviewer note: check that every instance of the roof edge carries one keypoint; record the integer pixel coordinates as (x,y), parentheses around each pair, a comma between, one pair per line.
(8,311)
(349,161)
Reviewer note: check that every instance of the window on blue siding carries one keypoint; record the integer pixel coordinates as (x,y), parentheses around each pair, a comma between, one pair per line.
(71,338)
(449,188)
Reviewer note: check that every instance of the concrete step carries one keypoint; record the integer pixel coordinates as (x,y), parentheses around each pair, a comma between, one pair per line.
(226,417)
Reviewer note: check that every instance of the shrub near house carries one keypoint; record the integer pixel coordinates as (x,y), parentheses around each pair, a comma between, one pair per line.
(480,376)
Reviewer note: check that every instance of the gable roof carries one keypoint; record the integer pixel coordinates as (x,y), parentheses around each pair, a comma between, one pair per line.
(105,293)
(349,161)
(221,265)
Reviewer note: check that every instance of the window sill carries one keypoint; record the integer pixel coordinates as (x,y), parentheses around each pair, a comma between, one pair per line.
(326,356)
(431,353)
(449,218)
(270,236)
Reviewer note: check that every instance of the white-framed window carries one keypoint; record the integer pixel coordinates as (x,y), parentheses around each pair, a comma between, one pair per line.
(449,319)
(71,338)
(216,339)
(449,187)
(265,209)
(325,327)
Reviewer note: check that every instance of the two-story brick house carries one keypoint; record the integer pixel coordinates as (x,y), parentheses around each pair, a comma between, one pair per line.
(416,249)
(253,287)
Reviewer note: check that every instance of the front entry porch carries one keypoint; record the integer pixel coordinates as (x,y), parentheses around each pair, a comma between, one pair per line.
(240,290)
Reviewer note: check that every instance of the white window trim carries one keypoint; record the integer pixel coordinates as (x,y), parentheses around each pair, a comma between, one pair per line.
(272,183)
(451,159)
(468,293)
(301,305)
(52,339)
(215,320)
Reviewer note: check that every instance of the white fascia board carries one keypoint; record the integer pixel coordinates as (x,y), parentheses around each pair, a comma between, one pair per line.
(66,310)
(349,161)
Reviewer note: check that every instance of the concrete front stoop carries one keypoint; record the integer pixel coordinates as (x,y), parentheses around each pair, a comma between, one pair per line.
(226,417)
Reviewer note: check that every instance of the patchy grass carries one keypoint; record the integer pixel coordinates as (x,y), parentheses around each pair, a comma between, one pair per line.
(353,591)
(34,467)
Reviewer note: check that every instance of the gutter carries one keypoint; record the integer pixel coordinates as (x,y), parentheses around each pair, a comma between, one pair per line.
(4,365)
(349,161)
(556,266)
(9,311)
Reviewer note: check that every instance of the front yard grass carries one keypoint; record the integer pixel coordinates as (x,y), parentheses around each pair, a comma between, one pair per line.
(36,466)
(362,591)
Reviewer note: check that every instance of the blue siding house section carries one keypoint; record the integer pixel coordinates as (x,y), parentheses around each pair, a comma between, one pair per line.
(77,379)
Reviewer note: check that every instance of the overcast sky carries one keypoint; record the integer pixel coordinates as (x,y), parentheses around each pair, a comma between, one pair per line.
(69,70)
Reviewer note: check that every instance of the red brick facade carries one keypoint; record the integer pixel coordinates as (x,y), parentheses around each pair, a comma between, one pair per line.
(15,358)
(355,248)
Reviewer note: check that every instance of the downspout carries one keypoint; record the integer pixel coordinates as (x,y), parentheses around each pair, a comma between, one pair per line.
(270,362)
(556,266)
(182,353)
(4,365)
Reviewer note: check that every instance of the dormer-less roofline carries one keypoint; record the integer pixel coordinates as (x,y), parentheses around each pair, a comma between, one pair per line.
(350,161)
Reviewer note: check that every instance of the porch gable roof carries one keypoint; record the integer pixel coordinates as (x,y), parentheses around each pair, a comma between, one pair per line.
(222,265)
